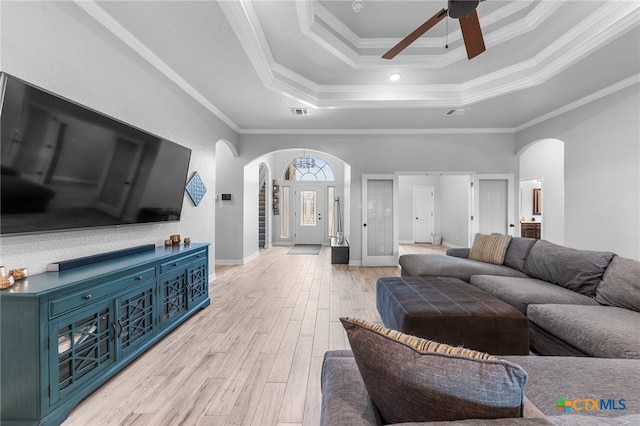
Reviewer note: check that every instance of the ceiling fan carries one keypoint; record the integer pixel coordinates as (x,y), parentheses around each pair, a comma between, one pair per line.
(462,10)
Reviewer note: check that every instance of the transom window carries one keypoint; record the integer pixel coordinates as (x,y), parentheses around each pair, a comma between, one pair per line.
(308,168)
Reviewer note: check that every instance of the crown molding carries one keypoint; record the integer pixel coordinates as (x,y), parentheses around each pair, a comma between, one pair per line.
(627,82)
(106,20)
(606,23)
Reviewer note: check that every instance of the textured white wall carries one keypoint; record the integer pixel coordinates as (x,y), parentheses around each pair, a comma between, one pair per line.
(602,171)
(43,43)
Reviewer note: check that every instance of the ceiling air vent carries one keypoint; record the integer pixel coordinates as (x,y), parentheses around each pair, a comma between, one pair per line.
(298,111)
(458,111)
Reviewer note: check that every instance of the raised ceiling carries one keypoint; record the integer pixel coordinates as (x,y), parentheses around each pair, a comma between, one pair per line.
(249,62)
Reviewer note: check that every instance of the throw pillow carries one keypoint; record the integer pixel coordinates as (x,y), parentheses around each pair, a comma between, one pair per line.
(489,248)
(577,270)
(411,379)
(620,285)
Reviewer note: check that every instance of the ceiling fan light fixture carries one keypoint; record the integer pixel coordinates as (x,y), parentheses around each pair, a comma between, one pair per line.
(395,76)
(357,6)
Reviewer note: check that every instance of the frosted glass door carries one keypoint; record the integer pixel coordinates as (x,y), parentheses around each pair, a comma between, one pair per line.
(379,221)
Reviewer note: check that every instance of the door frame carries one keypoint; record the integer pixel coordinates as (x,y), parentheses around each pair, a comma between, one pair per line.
(391,260)
(475,211)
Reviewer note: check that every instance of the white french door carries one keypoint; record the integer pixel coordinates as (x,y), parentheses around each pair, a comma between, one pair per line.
(493,204)
(379,220)
(308,214)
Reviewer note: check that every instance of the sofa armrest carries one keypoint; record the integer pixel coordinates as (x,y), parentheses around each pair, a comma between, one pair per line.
(458,252)
(345,400)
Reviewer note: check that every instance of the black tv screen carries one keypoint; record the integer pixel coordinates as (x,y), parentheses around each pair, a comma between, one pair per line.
(67,167)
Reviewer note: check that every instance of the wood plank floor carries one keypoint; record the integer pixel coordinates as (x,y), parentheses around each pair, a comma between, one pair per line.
(253,357)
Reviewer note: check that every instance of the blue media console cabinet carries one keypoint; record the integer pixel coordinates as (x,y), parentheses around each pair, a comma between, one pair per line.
(63,334)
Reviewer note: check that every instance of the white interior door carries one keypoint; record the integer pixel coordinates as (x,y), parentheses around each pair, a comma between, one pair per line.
(308,215)
(379,220)
(493,195)
(423,212)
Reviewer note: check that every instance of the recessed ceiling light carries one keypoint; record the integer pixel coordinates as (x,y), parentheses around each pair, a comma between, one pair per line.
(357,6)
(395,76)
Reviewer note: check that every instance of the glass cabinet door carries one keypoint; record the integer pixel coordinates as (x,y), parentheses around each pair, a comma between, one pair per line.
(81,347)
(136,314)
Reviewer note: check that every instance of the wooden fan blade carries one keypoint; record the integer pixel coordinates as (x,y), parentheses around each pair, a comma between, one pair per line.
(472,35)
(405,42)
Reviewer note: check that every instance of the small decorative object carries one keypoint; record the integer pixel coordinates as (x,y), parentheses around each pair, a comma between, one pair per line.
(187,240)
(168,242)
(195,188)
(18,274)
(6,282)
(533,219)
(175,239)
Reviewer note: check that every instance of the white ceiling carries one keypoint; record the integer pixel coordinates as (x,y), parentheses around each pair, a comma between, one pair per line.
(250,61)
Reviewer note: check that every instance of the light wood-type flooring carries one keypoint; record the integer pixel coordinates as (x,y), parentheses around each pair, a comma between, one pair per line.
(253,357)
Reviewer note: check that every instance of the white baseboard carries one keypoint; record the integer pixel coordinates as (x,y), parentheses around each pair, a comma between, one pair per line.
(224,262)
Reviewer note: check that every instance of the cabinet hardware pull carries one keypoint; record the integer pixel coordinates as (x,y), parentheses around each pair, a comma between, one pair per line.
(115,329)
(121,328)
(175,264)
(87,297)
(139,278)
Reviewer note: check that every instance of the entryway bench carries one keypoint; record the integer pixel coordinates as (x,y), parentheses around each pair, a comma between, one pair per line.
(448,310)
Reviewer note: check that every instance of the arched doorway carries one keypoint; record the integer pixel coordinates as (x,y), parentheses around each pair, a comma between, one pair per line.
(308,193)
(542,190)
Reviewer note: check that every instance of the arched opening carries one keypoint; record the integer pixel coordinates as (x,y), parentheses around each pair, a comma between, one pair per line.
(542,190)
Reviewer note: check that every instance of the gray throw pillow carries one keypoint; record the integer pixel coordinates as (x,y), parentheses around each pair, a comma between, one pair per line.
(620,285)
(410,379)
(517,252)
(577,270)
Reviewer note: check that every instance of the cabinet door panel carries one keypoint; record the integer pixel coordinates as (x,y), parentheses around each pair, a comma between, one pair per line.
(173,295)
(81,347)
(136,318)
(198,282)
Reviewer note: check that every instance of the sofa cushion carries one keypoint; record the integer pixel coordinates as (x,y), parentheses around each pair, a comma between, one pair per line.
(551,377)
(411,379)
(437,265)
(599,331)
(489,248)
(620,285)
(577,270)
(517,252)
(520,292)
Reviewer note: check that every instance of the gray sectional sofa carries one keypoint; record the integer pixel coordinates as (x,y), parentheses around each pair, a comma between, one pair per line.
(346,402)
(583,309)
(578,302)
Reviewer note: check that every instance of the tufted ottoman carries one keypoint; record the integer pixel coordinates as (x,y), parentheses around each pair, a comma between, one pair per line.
(448,310)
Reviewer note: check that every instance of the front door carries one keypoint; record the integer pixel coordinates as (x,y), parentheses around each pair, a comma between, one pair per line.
(308,214)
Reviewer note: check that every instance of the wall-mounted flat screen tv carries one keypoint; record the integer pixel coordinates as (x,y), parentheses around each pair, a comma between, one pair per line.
(67,167)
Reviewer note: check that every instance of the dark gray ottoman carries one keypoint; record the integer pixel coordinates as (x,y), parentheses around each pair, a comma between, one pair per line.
(448,310)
